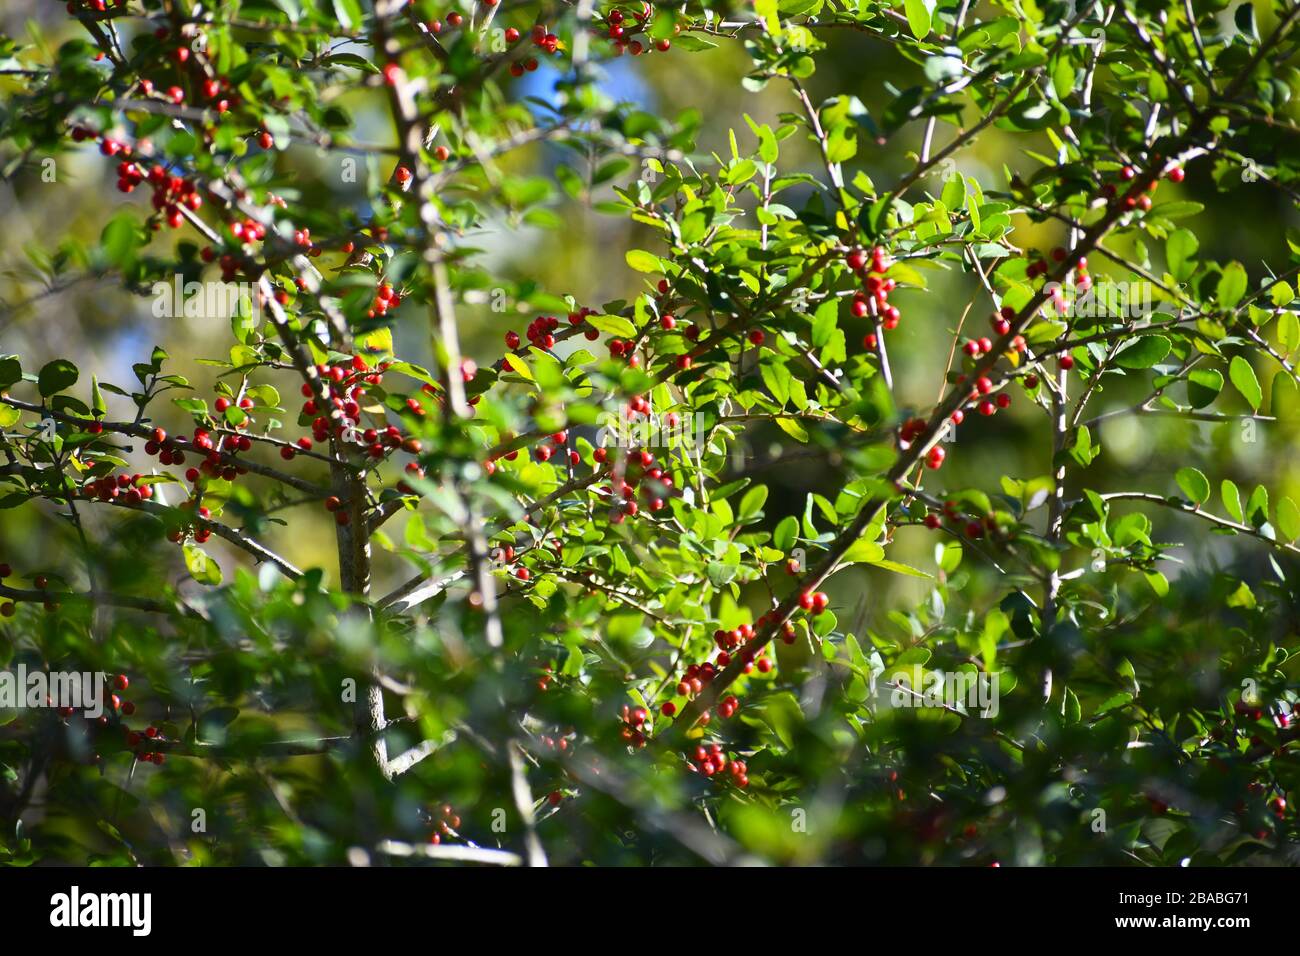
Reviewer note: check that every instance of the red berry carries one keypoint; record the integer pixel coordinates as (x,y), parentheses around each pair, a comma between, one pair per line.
(1066,362)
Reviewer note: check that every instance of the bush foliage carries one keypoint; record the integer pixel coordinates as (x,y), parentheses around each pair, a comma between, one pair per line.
(671,577)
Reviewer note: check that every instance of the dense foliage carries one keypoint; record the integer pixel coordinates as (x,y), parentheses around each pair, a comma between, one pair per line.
(576,612)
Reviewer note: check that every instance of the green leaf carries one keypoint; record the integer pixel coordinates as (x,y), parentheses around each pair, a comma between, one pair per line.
(56,376)
(11,371)
(518,365)
(918,16)
(1146,351)
(1194,485)
(1243,377)
(1288,332)
(787,529)
(899,568)
(1288,519)
(201,567)
(97,397)
(120,240)
(752,503)
(643,261)
(1231,500)
(1257,507)
(612,325)
(348,13)
(793,429)
(1203,386)
(776,376)
(824,322)
(1232,285)
(864,551)
(1179,249)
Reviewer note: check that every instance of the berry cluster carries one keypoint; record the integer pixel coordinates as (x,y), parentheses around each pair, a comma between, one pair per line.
(916,428)
(639,472)
(622,26)
(542,38)
(386,298)
(345,383)
(447,824)
(711,760)
(139,743)
(973,527)
(873,298)
(635,720)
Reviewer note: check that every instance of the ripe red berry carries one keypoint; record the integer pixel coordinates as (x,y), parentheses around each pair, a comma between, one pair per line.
(935,456)
(668,709)
(1066,362)
(756,337)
